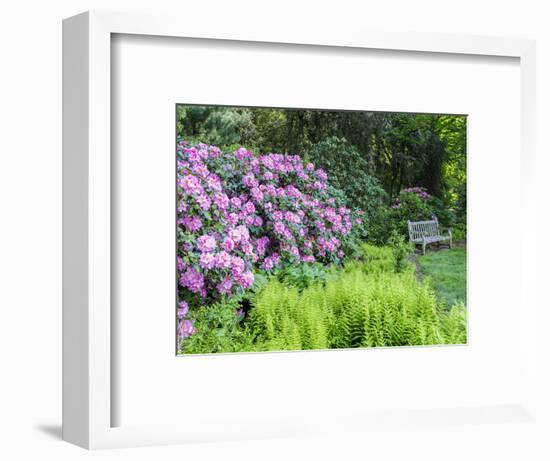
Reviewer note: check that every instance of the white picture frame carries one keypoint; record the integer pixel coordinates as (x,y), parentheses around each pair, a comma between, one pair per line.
(87,359)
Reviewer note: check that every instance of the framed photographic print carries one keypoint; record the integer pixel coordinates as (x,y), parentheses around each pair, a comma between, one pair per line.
(276,233)
(315,250)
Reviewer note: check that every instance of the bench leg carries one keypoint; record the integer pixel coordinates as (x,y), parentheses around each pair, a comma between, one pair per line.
(424,248)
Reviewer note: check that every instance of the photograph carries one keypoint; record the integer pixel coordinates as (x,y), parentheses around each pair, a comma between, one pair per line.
(317,229)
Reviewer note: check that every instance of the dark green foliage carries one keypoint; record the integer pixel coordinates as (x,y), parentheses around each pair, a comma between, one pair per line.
(349,172)
(395,150)
(459,232)
(460,202)
(411,208)
(380,226)
(303,275)
(221,126)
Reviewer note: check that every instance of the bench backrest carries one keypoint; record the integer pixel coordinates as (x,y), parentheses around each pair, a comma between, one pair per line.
(419,229)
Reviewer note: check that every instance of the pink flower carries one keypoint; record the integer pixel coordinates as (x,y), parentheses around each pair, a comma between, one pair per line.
(267,264)
(257,194)
(279,228)
(186,329)
(221,201)
(250,181)
(233,218)
(225,286)
(204,201)
(249,208)
(190,184)
(207,261)
(228,244)
(183,309)
(237,266)
(192,280)
(246,279)
(223,260)
(180,264)
(192,223)
(242,154)
(236,202)
(206,243)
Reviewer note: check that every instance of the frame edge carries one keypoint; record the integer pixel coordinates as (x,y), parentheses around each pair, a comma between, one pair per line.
(75,261)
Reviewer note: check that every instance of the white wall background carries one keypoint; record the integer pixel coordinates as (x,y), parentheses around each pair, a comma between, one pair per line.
(30,222)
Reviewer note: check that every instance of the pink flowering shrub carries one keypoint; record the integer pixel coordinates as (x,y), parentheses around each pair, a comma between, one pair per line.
(419,193)
(238,213)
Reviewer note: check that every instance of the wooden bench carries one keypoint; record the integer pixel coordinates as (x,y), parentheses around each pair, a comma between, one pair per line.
(426,232)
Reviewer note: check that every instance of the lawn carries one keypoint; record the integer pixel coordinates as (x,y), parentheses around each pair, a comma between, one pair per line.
(447,271)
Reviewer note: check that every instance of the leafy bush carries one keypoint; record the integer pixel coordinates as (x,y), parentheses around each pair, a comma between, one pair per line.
(348,172)
(303,275)
(380,225)
(390,258)
(401,250)
(412,204)
(459,232)
(239,213)
(220,330)
(374,259)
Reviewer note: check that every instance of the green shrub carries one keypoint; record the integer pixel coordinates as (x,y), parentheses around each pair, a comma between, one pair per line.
(380,225)
(410,207)
(304,275)
(390,258)
(412,204)
(349,172)
(218,330)
(375,259)
(401,250)
(459,232)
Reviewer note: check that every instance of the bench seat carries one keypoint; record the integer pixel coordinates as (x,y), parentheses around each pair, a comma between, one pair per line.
(426,232)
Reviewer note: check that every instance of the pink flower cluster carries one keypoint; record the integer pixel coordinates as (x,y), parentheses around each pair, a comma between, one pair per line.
(239,212)
(185,326)
(420,192)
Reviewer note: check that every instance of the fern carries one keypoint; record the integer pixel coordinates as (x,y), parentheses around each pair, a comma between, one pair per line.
(354,309)
(454,325)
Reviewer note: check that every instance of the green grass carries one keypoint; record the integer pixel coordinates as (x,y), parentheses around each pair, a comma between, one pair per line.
(447,271)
